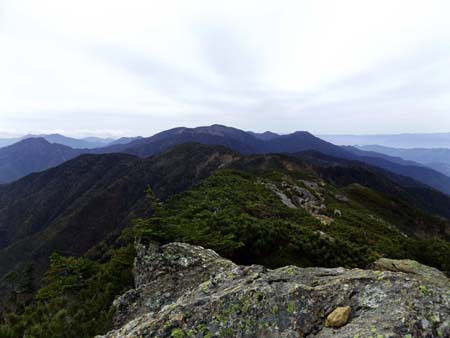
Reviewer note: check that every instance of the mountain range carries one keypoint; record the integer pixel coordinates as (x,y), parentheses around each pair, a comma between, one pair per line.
(435,158)
(235,139)
(421,140)
(84,143)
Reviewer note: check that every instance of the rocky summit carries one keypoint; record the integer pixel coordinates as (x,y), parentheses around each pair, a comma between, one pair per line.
(188,291)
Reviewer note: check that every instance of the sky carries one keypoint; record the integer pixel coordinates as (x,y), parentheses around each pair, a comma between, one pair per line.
(136,67)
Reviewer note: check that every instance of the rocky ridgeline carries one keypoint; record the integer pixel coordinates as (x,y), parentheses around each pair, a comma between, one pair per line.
(310,198)
(188,291)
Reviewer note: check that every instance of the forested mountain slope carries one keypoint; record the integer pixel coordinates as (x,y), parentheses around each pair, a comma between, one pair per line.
(74,206)
(271,209)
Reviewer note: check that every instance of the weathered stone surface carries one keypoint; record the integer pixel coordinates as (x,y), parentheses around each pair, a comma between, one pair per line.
(162,275)
(187,291)
(426,273)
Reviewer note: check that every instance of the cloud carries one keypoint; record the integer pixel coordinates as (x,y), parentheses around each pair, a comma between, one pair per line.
(141,66)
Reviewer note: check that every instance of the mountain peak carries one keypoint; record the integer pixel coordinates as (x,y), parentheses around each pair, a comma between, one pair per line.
(219,129)
(31,155)
(31,140)
(303,132)
(265,136)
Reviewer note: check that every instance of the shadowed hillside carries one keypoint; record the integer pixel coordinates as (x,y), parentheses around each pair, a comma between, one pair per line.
(74,206)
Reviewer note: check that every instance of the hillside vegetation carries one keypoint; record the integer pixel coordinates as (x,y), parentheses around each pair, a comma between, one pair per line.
(269,210)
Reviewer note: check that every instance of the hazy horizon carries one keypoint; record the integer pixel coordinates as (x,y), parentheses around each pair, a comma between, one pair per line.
(88,134)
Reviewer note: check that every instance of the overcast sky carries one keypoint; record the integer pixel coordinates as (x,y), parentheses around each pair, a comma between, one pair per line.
(130,67)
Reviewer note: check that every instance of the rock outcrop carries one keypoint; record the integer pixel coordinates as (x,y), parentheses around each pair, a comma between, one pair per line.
(310,198)
(187,291)
(426,273)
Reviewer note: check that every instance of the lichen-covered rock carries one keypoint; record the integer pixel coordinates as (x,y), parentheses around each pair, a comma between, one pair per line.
(188,291)
(426,273)
(164,274)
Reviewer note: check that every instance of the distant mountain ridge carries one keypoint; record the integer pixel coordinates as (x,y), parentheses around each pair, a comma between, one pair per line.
(422,140)
(236,139)
(247,143)
(436,158)
(266,136)
(32,155)
(83,143)
(124,140)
